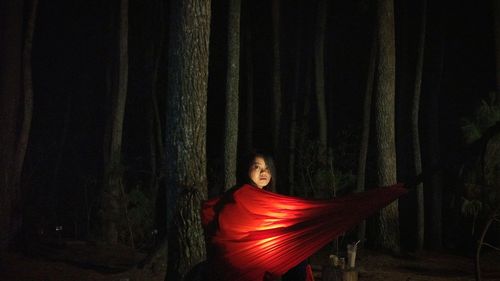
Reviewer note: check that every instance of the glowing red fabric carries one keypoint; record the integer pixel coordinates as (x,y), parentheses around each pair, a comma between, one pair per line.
(253,234)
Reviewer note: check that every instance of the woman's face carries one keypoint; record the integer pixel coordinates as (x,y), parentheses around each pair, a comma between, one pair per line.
(259,173)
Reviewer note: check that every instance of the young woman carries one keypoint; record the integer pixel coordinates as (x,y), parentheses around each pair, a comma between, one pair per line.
(262,174)
(254,234)
(261,171)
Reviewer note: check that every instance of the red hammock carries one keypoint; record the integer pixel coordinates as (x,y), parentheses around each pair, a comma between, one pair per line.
(252,233)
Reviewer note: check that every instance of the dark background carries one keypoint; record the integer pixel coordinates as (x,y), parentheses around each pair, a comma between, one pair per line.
(72,48)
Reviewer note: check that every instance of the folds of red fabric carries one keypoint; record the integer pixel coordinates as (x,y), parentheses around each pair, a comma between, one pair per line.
(253,234)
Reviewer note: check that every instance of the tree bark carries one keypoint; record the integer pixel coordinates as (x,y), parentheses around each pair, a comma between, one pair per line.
(11,42)
(232,94)
(387,236)
(319,72)
(185,149)
(113,174)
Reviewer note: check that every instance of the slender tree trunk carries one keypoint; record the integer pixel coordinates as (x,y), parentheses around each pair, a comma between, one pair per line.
(417,157)
(303,125)
(496,30)
(405,63)
(28,92)
(387,236)
(276,75)
(404,88)
(319,72)
(49,199)
(434,230)
(113,183)
(157,145)
(186,133)
(248,75)
(232,94)
(250,90)
(11,42)
(365,133)
(292,144)
(27,107)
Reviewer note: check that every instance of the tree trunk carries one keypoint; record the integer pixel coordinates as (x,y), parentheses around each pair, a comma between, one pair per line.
(250,91)
(24,133)
(292,141)
(276,76)
(496,30)
(417,157)
(303,125)
(434,230)
(156,143)
(319,72)
(232,94)
(185,147)
(11,42)
(365,133)
(113,174)
(405,63)
(50,195)
(387,236)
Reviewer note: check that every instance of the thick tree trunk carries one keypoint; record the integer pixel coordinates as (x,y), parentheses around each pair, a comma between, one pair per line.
(417,157)
(232,94)
(276,76)
(113,174)
(387,236)
(11,42)
(319,72)
(186,133)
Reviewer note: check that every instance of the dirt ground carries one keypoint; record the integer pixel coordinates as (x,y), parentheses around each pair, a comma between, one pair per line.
(89,263)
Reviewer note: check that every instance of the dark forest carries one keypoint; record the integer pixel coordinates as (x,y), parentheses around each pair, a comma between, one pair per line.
(119,118)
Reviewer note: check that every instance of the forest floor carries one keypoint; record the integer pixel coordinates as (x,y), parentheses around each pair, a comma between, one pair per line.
(425,266)
(84,262)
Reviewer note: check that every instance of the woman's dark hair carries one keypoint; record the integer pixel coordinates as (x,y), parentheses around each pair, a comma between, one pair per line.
(249,160)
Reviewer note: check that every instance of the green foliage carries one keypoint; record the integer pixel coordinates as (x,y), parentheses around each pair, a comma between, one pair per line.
(470,131)
(332,181)
(140,212)
(486,115)
(321,180)
(471,209)
(140,209)
(480,194)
